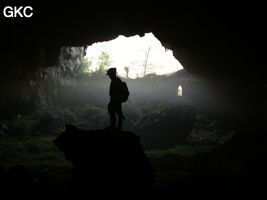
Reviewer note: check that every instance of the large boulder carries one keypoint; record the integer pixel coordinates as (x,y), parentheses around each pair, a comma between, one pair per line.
(105,163)
(167,127)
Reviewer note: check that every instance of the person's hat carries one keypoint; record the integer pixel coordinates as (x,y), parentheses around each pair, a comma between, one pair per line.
(111,71)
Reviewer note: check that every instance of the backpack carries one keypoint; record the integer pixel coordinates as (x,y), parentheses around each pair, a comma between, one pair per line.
(124,92)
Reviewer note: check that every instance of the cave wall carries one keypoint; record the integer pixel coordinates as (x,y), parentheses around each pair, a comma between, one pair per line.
(219,42)
(208,39)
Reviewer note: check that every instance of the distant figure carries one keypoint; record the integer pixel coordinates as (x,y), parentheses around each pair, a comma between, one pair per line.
(118,94)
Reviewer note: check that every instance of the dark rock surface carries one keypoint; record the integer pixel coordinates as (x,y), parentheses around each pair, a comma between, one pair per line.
(106,164)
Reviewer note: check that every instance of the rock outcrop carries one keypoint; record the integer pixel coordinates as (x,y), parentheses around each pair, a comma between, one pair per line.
(106,164)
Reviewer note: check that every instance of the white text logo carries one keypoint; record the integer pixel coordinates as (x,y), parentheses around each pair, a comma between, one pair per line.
(21,11)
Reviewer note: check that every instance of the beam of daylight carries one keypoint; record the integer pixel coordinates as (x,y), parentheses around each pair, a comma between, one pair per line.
(141,55)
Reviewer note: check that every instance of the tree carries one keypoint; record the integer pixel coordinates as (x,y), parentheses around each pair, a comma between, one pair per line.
(146,60)
(103,62)
(85,65)
(127,71)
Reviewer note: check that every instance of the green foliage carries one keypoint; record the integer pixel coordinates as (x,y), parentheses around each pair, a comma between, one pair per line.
(152,76)
(85,65)
(38,151)
(53,110)
(209,131)
(90,116)
(176,162)
(20,126)
(180,150)
(37,154)
(104,62)
(152,116)
(132,110)
(51,120)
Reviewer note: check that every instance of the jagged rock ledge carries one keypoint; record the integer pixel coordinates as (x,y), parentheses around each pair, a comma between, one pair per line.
(106,163)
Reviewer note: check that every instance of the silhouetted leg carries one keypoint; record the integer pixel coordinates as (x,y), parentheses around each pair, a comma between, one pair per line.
(119,127)
(112,114)
(120,115)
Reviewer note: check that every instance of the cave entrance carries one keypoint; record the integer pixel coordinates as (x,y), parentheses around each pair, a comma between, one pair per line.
(179,91)
(134,57)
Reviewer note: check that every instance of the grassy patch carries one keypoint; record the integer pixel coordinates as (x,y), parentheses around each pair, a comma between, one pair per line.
(30,151)
(40,155)
(173,163)
(181,150)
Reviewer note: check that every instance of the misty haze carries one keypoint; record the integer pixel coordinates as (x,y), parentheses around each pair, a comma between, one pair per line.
(192,123)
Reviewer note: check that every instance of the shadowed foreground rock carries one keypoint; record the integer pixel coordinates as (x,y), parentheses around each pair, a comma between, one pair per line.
(106,164)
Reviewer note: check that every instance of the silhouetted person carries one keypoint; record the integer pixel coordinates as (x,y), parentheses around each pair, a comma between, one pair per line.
(116,94)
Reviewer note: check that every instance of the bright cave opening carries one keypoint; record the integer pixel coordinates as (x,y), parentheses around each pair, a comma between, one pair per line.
(179,91)
(134,57)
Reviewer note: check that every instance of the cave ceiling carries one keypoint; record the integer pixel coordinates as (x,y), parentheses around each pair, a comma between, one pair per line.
(212,40)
